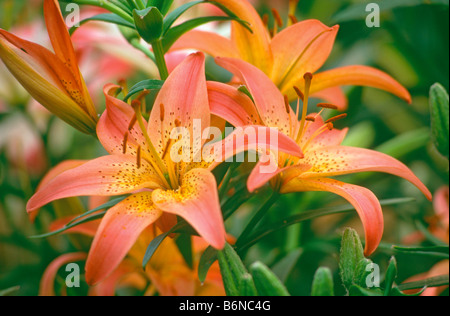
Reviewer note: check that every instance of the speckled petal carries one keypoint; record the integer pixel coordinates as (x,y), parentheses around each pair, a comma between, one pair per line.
(339,160)
(118,231)
(196,201)
(364,201)
(104,176)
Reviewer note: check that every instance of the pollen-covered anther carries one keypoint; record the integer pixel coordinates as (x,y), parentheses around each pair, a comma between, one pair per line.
(132,122)
(277,18)
(299,93)
(142,95)
(311,118)
(330,126)
(293,19)
(161,112)
(138,157)
(125,142)
(308,76)
(286,104)
(327,106)
(265,19)
(136,105)
(336,118)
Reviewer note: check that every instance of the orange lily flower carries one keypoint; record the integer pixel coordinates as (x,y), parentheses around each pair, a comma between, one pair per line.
(53,79)
(324,157)
(299,48)
(139,164)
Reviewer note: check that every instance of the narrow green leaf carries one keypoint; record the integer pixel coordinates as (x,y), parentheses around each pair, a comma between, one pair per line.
(107,205)
(442,252)
(152,247)
(104,17)
(406,143)
(439,106)
(352,253)
(171,18)
(150,84)
(149,23)
(266,282)
(84,220)
(391,276)
(430,282)
(9,291)
(208,257)
(184,243)
(323,284)
(244,90)
(162,5)
(356,290)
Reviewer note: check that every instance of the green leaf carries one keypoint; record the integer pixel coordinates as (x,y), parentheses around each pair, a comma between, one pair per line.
(152,247)
(149,23)
(107,205)
(244,90)
(308,215)
(323,284)
(184,243)
(437,251)
(439,106)
(176,32)
(104,17)
(356,290)
(208,257)
(405,143)
(162,5)
(430,282)
(150,84)
(177,13)
(266,282)
(82,221)
(9,291)
(352,253)
(391,276)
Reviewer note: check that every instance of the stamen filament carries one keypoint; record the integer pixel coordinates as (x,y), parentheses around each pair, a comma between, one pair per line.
(308,79)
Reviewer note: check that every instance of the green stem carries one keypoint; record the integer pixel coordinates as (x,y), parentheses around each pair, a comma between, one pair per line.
(158,50)
(257,218)
(136,43)
(108,6)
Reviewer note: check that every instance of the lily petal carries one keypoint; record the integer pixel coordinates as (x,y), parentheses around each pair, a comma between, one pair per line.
(104,176)
(207,42)
(232,105)
(114,125)
(118,231)
(359,76)
(182,99)
(268,99)
(301,48)
(197,201)
(364,201)
(339,160)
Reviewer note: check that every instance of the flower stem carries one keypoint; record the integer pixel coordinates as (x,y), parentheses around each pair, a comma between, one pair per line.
(158,50)
(108,6)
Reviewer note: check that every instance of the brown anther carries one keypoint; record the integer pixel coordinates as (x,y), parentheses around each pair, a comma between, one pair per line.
(310,118)
(138,157)
(299,93)
(277,17)
(136,105)
(265,19)
(177,123)
(336,118)
(132,122)
(327,106)
(125,142)
(293,19)
(143,94)
(330,126)
(308,76)
(161,112)
(286,104)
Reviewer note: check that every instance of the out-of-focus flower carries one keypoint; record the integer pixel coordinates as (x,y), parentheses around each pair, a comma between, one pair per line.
(141,163)
(53,79)
(324,156)
(300,48)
